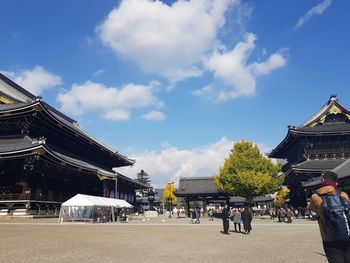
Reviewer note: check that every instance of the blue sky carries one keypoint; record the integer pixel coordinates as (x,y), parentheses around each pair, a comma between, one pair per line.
(173,84)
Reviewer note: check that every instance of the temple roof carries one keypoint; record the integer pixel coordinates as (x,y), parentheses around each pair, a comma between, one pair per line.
(331,119)
(14,91)
(342,170)
(17,147)
(29,102)
(318,165)
(197,185)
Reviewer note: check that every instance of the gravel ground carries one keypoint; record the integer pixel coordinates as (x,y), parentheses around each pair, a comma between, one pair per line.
(159,240)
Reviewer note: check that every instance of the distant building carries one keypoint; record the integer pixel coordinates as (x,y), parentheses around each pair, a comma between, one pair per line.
(204,191)
(319,144)
(45,158)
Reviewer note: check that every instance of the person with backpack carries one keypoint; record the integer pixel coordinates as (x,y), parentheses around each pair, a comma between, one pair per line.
(332,209)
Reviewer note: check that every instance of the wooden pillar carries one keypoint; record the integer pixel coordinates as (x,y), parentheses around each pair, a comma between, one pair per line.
(188,206)
(116,188)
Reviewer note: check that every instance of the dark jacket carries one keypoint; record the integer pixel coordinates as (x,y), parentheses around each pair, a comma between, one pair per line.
(247,218)
(225,213)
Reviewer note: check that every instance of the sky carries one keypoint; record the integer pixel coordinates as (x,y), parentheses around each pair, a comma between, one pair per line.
(173,84)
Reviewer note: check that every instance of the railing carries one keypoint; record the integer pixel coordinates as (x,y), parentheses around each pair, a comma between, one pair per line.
(23,196)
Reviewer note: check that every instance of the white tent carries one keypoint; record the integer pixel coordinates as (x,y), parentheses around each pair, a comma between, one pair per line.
(90,208)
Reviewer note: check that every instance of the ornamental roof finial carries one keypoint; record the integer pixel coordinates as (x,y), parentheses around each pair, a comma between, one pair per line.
(333,97)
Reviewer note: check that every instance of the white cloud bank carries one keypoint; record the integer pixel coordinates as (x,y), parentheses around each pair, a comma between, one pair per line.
(165,39)
(154,116)
(316,10)
(36,80)
(180,40)
(232,68)
(113,103)
(171,163)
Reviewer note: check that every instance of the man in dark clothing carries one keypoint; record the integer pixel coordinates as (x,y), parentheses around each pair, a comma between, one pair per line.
(336,251)
(247,218)
(226,218)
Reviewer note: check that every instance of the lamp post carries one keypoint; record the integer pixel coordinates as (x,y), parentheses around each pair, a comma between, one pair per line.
(151,198)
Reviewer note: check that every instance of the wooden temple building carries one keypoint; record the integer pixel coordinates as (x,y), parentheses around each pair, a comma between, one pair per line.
(204,190)
(45,158)
(319,144)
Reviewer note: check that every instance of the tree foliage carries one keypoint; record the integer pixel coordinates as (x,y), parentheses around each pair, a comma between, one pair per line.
(168,193)
(248,173)
(281,196)
(143,177)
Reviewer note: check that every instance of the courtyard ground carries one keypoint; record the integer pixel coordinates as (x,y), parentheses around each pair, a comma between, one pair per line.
(158,240)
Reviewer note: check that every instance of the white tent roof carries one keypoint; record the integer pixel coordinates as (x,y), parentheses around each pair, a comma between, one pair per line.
(89,200)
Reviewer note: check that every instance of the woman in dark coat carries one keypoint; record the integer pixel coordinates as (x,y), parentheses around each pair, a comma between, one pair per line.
(247,218)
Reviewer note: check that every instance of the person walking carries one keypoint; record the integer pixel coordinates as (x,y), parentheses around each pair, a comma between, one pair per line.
(198,214)
(193,216)
(226,218)
(247,218)
(289,215)
(237,220)
(211,214)
(331,206)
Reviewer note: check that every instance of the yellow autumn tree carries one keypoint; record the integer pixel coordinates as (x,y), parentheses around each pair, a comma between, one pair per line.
(281,196)
(168,194)
(248,173)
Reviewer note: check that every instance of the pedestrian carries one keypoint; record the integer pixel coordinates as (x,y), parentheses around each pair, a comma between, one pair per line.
(289,215)
(331,206)
(283,215)
(193,216)
(278,213)
(198,214)
(237,220)
(211,214)
(247,218)
(296,213)
(226,218)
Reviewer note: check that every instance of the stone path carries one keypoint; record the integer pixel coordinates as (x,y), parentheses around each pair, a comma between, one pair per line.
(158,240)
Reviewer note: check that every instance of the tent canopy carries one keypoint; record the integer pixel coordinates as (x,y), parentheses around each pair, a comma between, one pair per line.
(89,200)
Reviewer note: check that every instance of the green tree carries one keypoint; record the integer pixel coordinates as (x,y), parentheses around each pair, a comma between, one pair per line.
(248,173)
(143,177)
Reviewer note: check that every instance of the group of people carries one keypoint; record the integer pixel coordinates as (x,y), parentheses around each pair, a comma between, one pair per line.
(195,214)
(238,217)
(283,214)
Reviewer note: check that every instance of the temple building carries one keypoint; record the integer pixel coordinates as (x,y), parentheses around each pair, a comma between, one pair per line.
(203,191)
(45,158)
(319,144)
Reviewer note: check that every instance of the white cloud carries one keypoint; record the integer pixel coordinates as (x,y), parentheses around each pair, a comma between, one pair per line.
(316,10)
(98,72)
(113,103)
(171,163)
(232,68)
(275,61)
(117,115)
(165,39)
(35,80)
(154,116)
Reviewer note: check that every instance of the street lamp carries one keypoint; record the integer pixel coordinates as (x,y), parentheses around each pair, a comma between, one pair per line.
(151,198)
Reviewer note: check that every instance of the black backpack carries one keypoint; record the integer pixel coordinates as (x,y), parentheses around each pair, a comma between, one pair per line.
(336,217)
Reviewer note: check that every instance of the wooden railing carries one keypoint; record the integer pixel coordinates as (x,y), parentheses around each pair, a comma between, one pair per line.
(23,196)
